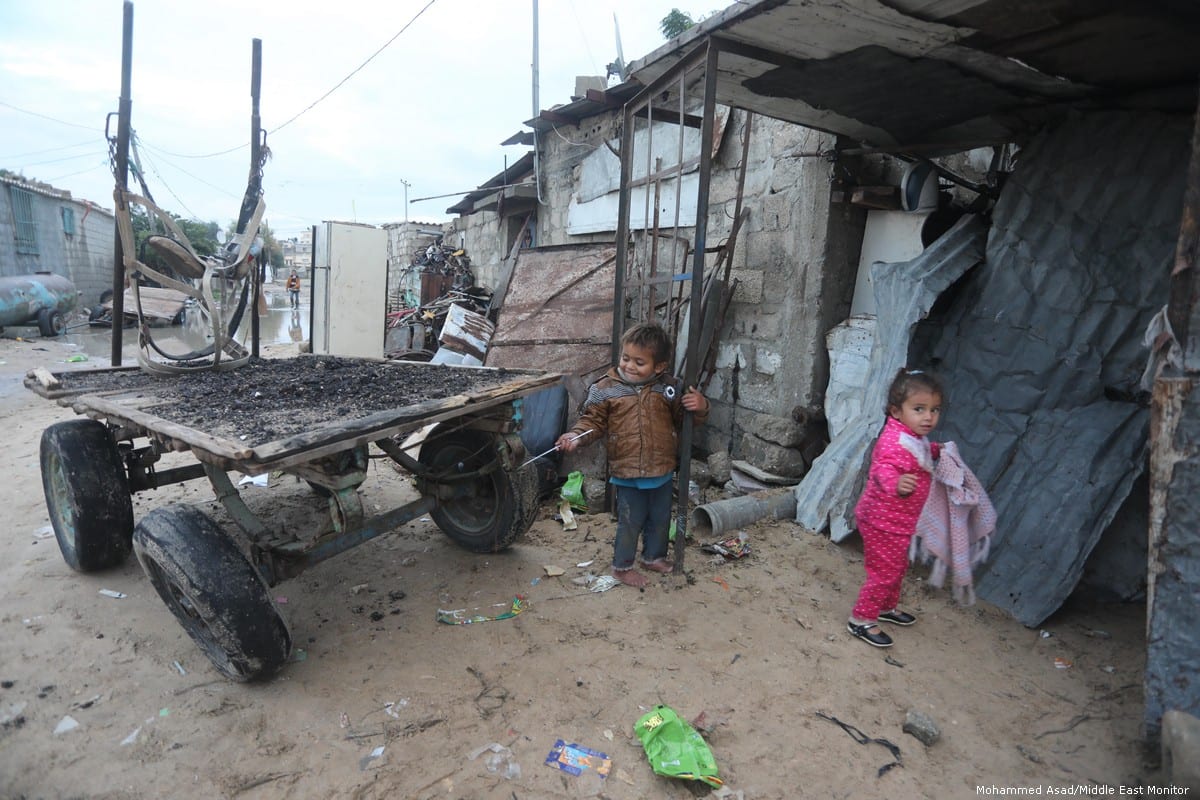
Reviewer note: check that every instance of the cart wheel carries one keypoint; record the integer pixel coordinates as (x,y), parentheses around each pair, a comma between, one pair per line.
(503,503)
(50,322)
(87,494)
(214,592)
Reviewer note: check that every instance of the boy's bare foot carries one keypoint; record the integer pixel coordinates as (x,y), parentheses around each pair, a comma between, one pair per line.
(659,565)
(630,577)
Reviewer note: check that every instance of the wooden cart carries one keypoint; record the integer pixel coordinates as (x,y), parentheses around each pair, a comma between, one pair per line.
(216,582)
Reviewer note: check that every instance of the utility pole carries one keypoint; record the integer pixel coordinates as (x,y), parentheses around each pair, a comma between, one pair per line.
(406,185)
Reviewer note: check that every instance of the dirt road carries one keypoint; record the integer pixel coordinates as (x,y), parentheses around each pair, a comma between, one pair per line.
(105,697)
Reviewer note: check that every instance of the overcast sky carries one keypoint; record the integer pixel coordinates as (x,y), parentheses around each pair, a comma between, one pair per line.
(430,109)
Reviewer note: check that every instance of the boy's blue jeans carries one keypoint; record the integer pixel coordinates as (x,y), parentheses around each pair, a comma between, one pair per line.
(646,512)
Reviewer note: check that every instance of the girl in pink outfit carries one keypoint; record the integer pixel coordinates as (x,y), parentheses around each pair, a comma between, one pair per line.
(897,486)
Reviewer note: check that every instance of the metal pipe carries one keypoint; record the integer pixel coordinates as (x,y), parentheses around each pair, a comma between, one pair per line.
(691,368)
(255,155)
(124,112)
(713,519)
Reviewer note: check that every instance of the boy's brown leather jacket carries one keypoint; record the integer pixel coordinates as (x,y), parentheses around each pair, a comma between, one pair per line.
(640,423)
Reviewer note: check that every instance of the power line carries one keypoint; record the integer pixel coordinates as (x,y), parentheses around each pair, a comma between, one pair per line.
(65,158)
(43,116)
(47,150)
(313,104)
(358,68)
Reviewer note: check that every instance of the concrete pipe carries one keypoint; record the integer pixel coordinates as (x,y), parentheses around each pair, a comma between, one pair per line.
(712,520)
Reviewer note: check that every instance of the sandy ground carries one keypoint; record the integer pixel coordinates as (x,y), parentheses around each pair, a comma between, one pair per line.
(381,700)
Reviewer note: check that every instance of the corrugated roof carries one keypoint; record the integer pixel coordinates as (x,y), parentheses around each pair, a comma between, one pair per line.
(518,170)
(944,73)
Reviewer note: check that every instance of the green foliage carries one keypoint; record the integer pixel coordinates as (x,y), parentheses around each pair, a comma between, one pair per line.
(675,23)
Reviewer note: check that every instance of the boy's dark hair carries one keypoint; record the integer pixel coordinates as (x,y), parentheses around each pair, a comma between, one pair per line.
(652,337)
(906,382)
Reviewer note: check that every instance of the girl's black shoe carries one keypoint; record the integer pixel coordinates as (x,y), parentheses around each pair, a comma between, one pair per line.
(863,632)
(897,617)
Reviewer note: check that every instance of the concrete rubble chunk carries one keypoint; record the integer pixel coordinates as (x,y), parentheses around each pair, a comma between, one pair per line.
(922,726)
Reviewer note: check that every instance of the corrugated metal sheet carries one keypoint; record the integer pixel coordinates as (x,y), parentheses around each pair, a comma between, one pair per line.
(904,294)
(949,73)
(1043,355)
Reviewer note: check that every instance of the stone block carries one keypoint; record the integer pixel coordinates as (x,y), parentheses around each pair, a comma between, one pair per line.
(767,361)
(922,726)
(750,285)
(783,431)
(719,466)
(783,461)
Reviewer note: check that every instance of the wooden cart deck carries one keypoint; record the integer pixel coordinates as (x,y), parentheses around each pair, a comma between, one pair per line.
(149,406)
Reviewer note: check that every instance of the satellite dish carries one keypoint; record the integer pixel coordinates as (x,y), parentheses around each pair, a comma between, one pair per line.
(919,187)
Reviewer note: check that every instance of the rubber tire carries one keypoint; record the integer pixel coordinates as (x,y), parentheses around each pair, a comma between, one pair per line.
(215,593)
(50,322)
(106,295)
(87,494)
(504,505)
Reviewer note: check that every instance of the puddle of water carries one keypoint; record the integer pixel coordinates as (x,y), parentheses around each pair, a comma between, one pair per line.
(280,325)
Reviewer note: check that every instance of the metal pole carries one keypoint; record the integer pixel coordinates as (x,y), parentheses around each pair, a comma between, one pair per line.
(255,155)
(406,185)
(695,317)
(623,205)
(124,113)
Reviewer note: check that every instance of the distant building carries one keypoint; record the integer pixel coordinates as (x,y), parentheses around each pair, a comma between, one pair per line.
(43,229)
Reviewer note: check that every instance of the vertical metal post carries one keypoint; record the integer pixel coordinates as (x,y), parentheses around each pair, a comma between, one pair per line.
(255,155)
(124,114)
(695,317)
(623,202)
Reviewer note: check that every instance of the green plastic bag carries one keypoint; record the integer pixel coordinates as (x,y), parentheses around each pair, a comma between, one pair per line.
(572,491)
(675,749)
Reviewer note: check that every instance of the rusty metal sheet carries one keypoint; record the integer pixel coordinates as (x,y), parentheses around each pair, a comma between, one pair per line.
(558,311)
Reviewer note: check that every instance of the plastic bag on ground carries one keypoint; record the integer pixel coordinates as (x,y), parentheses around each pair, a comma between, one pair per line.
(674,748)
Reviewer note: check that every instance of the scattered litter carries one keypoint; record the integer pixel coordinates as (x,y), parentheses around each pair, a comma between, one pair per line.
(32,622)
(603,583)
(67,723)
(76,358)
(463,616)
(535,581)
(553,571)
(281,600)
(1109,669)
(674,748)
(718,579)
(131,738)
(11,713)
(179,668)
(44,532)
(568,518)
(408,561)
(299,654)
(732,548)
(255,480)
(583,564)
(91,701)
(359,588)
(574,758)
(111,593)
(860,737)
(344,720)
(1096,633)
(608,734)
(1062,663)
(500,762)
(1045,634)
(367,759)
(390,708)
(162,712)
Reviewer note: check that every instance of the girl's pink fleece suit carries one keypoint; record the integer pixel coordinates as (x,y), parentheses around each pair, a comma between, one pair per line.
(887,521)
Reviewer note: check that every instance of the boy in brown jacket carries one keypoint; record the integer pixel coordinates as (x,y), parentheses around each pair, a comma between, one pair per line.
(639,408)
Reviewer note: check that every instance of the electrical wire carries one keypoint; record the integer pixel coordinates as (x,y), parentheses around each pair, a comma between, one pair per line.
(44,116)
(47,150)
